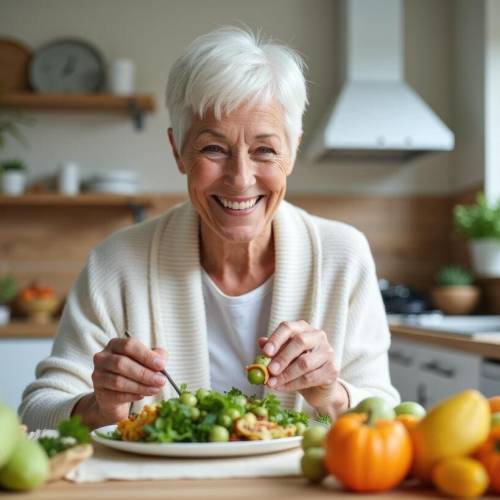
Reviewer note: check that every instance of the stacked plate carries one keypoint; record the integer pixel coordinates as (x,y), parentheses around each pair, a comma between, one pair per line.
(115,181)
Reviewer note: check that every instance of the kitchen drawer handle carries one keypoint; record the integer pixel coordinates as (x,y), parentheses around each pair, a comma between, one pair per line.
(400,358)
(434,367)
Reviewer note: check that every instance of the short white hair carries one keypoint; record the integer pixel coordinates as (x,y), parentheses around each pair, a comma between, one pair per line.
(229,66)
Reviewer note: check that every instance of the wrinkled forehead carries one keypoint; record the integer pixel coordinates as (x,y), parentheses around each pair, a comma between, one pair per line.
(251,119)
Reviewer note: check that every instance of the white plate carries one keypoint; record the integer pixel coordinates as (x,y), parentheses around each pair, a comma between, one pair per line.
(197,450)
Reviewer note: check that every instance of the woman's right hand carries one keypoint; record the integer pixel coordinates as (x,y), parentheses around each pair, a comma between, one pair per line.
(125,371)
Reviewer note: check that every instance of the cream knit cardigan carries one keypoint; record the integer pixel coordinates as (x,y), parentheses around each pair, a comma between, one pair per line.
(147,279)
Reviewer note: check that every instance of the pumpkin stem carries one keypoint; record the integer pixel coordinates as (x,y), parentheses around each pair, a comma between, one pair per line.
(497,446)
(372,418)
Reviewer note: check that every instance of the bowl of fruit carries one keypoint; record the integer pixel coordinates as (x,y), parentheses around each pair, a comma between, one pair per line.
(38,302)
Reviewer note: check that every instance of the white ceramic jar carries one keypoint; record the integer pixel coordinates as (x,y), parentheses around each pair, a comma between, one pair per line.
(122,77)
(68,178)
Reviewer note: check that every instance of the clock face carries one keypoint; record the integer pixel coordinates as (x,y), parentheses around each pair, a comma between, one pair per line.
(67,65)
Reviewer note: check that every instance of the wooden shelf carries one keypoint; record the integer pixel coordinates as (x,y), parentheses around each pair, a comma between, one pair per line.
(137,204)
(27,329)
(135,105)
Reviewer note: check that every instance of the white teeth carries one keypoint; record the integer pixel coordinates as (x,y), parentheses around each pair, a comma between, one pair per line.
(234,205)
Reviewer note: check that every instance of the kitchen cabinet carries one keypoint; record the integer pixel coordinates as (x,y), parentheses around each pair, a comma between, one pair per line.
(428,374)
(18,360)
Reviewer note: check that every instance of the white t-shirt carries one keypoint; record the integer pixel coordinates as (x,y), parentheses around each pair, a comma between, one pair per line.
(233,326)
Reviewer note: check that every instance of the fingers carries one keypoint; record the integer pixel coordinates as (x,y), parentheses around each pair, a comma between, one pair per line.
(306,362)
(118,383)
(262,341)
(296,345)
(282,334)
(107,398)
(161,352)
(323,376)
(136,350)
(121,365)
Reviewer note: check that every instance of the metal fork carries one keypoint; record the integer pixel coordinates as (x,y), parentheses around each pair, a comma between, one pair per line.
(170,379)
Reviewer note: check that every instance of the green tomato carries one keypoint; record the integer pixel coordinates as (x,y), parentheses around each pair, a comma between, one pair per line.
(256,376)
(260,411)
(495,419)
(262,360)
(201,394)
(188,399)
(240,400)
(195,413)
(300,428)
(218,434)
(233,413)
(314,436)
(376,408)
(225,420)
(312,464)
(410,408)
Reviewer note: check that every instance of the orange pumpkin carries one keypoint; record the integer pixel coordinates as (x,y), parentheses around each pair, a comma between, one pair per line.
(368,456)
(489,455)
(494,404)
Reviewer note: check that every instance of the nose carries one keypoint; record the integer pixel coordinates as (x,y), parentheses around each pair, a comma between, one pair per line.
(240,172)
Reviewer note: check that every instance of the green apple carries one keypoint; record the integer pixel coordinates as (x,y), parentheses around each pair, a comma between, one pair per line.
(313,464)
(314,436)
(10,433)
(495,419)
(410,408)
(376,408)
(27,468)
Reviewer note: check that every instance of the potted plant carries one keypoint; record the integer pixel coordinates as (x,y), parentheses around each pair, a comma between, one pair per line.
(13,177)
(454,292)
(480,223)
(8,290)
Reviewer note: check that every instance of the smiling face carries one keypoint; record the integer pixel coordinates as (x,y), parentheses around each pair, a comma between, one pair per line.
(237,169)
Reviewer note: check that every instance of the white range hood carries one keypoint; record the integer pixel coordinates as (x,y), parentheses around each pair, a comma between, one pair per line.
(377,114)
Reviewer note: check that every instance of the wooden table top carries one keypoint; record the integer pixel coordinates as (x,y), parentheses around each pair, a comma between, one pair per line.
(278,488)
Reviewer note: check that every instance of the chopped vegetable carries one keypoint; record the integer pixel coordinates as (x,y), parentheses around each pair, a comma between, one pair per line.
(210,417)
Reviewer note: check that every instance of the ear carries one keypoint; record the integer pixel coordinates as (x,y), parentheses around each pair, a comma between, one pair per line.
(175,152)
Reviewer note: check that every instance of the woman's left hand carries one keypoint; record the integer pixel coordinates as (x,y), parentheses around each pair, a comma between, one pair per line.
(303,361)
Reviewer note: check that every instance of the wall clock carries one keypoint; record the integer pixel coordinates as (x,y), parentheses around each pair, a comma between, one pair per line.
(67,65)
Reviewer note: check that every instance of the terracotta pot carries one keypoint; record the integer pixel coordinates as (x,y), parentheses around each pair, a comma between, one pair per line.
(459,299)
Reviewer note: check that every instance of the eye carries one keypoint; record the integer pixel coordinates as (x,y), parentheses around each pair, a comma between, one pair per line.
(265,150)
(213,149)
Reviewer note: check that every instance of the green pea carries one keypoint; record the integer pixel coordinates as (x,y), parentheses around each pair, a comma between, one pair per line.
(233,413)
(218,434)
(201,394)
(256,376)
(262,360)
(195,413)
(260,411)
(188,399)
(225,420)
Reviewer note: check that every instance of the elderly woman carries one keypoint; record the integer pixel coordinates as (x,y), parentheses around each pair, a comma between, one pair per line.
(232,272)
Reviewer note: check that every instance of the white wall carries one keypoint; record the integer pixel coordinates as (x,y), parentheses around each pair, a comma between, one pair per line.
(492,102)
(469,99)
(154,32)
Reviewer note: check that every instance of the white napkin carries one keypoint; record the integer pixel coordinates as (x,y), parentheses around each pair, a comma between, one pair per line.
(107,463)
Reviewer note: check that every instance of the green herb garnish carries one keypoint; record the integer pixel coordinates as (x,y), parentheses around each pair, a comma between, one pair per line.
(71,432)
